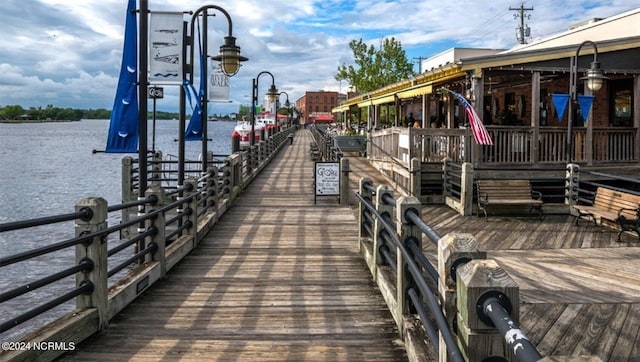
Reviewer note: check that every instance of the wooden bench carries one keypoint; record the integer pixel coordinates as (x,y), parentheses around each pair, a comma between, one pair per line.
(619,207)
(508,192)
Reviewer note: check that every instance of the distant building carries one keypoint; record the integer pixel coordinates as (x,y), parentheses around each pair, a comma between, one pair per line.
(316,104)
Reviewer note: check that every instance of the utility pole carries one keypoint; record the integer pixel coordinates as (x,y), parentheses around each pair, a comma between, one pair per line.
(523,31)
(420,59)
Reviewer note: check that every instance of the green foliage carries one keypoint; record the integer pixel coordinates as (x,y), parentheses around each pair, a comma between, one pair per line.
(376,68)
(16,112)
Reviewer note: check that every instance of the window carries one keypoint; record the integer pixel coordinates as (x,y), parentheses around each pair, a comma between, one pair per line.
(621,107)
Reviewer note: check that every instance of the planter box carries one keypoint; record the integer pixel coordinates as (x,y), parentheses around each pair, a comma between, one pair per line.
(350,143)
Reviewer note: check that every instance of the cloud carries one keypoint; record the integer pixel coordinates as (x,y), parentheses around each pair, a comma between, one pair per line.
(68,52)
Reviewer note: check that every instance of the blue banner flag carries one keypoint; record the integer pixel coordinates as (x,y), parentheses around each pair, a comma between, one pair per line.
(585,102)
(123,128)
(560,101)
(194,129)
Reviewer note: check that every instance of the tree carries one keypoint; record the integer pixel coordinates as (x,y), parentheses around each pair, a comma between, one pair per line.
(376,68)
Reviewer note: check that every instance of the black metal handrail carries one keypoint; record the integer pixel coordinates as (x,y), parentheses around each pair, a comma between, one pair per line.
(432,300)
(83,214)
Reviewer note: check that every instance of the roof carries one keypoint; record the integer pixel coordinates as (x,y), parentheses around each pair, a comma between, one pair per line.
(614,35)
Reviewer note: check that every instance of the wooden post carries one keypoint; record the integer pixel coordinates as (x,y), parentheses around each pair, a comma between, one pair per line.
(415,177)
(235,175)
(96,251)
(382,208)
(159,223)
(466,189)
(408,232)
(572,184)
(192,206)
(344,181)
(212,190)
(156,168)
(367,195)
(478,338)
(454,250)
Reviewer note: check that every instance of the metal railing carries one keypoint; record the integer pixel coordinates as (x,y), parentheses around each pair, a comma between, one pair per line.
(392,245)
(108,275)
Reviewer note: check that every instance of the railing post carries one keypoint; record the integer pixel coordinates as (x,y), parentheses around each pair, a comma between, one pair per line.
(477,281)
(159,224)
(156,168)
(212,190)
(446,170)
(415,177)
(466,189)
(344,181)
(191,209)
(96,251)
(382,208)
(362,233)
(572,184)
(454,250)
(235,175)
(409,233)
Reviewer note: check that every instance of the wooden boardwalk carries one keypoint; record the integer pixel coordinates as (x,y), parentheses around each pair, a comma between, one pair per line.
(277,279)
(579,288)
(281,279)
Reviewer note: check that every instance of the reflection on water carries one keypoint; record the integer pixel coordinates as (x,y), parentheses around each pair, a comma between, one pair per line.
(45,169)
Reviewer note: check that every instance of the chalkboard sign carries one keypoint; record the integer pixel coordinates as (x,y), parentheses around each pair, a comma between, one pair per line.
(327,179)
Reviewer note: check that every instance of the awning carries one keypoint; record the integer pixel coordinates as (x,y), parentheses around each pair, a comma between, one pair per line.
(340,109)
(415,92)
(382,100)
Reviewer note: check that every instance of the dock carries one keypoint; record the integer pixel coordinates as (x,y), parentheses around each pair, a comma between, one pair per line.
(281,278)
(278,278)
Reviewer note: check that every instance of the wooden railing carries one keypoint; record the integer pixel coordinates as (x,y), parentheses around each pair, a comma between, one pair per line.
(512,145)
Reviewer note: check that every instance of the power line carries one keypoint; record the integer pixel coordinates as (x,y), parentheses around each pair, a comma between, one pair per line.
(523,31)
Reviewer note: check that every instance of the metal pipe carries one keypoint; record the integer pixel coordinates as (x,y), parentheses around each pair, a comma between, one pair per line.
(516,340)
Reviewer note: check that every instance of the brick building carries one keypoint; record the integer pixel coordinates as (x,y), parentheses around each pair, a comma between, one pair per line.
(315,104)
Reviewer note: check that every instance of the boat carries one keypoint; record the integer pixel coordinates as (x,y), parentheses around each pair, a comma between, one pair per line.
(265,122)
(242,131)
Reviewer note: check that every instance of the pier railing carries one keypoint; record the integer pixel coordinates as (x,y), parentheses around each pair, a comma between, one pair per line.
(512,145)
(168,223)
(464,290)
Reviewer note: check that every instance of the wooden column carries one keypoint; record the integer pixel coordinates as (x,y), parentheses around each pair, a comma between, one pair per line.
(475,281)
(96,252)
(454,250)
(535,117)
(159,223)
(344,181)
(415,177)
(382,208)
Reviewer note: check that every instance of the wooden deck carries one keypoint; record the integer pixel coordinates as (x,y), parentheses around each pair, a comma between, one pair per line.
(281,279)
(579,288)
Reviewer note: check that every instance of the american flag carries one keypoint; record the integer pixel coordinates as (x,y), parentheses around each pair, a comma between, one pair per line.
(480,133)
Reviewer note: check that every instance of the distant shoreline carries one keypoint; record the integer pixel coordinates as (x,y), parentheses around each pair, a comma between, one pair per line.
(35,120)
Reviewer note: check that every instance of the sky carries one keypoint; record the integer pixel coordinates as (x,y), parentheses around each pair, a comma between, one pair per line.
(67,53)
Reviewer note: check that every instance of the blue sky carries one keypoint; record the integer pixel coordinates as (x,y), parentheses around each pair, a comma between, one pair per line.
(67,52)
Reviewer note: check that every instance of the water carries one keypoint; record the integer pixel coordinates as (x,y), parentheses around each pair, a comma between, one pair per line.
(45,169)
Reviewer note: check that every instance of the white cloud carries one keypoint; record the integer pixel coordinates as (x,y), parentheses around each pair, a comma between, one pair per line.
(67,52)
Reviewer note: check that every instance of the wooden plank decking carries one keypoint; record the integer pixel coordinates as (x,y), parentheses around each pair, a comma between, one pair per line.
(279,278)
(579,288)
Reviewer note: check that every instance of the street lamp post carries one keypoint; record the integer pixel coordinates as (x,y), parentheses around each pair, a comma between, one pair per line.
(287,106)
(229,59)
(272,94)
(594,80)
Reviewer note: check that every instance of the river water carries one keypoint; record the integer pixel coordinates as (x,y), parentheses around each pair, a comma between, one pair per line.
(45,169)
